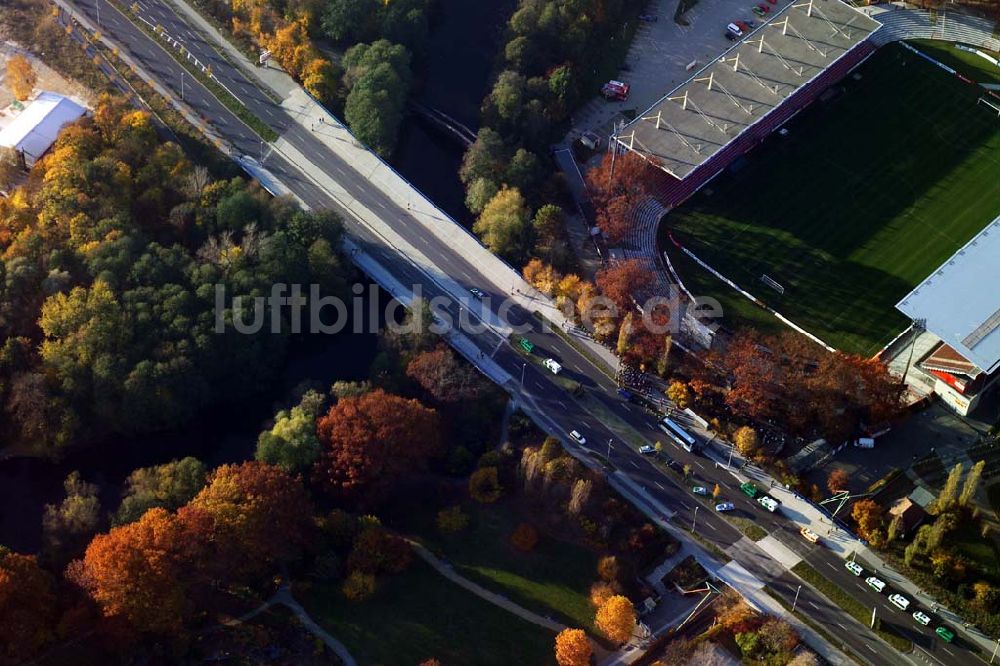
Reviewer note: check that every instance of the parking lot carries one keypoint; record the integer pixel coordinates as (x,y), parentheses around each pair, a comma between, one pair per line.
(665,54)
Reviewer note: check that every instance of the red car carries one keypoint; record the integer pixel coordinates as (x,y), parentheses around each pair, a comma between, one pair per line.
(615,90)
(764,8)
(743,26)
(773,2)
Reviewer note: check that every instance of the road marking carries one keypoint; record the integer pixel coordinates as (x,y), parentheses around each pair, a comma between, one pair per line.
(948,650)
(842,626)
(830,565)
(874,651)
(712,526)
(696,462)
(659,485)
(634,464)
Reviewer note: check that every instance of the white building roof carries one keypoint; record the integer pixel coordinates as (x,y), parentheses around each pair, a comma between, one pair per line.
(960,301)
(34,130)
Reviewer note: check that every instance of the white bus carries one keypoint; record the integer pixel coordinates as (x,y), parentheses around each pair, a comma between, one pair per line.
(678,434)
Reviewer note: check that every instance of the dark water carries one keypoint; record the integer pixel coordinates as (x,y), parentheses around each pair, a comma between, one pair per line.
(465,36)
(222,434)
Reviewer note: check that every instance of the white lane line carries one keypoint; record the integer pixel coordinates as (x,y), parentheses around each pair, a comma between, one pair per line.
(712,526)
(696,462)
(814,605)
(659,485)
(841,626)
(874,651)
(948,650)
(830,565)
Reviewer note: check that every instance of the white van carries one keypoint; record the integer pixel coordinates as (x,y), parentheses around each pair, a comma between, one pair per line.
(865,443)
(899,601)
(875,583)
(551,364)
(734,29)
(769,503)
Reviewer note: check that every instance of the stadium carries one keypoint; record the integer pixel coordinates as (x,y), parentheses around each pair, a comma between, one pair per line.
(843,171)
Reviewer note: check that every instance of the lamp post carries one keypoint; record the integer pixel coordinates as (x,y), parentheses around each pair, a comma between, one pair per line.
(97,4)
(610,442)
(694,521)
(732,447)
(523,366)
(796,600)
(182,86)
(995,651)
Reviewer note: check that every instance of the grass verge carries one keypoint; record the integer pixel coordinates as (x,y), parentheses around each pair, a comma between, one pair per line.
(804,619)
(852,606)
(752,530)
(220,93)
(417,615)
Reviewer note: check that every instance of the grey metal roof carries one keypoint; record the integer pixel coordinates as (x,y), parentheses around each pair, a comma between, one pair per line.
(691,123)
(960,301)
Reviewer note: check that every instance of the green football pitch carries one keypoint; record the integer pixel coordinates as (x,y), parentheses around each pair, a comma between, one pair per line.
(866,196)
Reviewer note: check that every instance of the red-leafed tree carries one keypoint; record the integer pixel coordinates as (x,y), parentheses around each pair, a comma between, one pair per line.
(442,375)
(139,573)
(377,551)
(617,185)
(27,605)
(372,440)
(622,282)
(260,515)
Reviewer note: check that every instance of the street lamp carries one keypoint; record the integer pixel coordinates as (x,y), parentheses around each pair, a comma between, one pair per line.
(523,366)
(995,651)
(732,447)
(182,86)
(97,4)
(695,520)
(610,441)
(796,600)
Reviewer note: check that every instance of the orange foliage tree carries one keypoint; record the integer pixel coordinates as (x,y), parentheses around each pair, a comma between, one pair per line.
(371,441)
(21,77)
(573,648)
(139,572)
(870,519)
(257,509)
(622,282)
(617,185)
(837,480)
(442,375)
(27,605)
(524,537)
(377,551)
(616,618)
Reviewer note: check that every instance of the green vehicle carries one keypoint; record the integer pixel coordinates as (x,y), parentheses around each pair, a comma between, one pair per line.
(526,344)
(749,490)
(946,634)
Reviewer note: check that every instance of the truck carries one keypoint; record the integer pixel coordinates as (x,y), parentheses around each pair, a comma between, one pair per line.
(750,490)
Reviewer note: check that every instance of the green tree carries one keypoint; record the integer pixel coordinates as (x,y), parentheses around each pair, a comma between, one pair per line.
(521,53)
(949,493)
(485,158)
(292,443)
(484,485)
(379,79)
(479,194)
(10,167)
(66,527)
(504,225)
(508,95)
(169,486)
(524,170)
(350,21)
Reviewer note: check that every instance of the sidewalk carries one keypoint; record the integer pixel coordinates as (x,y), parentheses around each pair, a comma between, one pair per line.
(330,132)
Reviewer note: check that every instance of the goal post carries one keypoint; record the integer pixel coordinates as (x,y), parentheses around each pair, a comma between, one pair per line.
(995,106)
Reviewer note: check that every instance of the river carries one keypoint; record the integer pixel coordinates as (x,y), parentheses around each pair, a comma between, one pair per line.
(464,40)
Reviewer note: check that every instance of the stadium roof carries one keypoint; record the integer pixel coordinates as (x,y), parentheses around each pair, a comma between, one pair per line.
(34,130)
(694,121)
(960,301)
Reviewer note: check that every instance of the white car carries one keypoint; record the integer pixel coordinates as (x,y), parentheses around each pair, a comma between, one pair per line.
(725,506)
(769,503)
(875,583)
(920,618)
(552,365)
(809,535)
(700,490)
(854,567)
(899,601)
(580,439)
(647,450)
(478,293)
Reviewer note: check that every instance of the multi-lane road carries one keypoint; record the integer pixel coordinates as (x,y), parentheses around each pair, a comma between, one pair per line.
(600,415)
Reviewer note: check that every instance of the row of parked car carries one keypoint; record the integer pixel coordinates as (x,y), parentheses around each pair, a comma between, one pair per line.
(738,29)
(900,601)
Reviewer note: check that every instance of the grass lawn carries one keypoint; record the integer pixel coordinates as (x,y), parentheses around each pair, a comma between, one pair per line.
(973,66)
(983,553)
(554,579)
(419,614)
(863,200)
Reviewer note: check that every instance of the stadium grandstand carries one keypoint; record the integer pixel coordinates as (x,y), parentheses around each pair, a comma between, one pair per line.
(729,106)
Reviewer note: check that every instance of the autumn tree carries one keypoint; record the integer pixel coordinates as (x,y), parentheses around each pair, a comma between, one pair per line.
(505,225)
(358,586)
(21,77)
(573,648)
(255,508)
(971,484)
(452,519)
(377,551)
(679,393)
(623,282)
(745,439)
(67,526)
(837,480)
(616,619)
(444,376)
(608,568)
(371,441)
(138,572)
(716,491)
(949,492)
(291,443)
(484,485)
(616,186)
(27,606)
(10,167)
(169,486)
(600,592)
(524,537)
(869,517)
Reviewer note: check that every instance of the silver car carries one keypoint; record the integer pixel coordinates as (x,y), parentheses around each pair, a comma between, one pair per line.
(725,506)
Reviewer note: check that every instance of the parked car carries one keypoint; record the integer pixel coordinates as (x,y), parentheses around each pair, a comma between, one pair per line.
(734,29)
(743,26)
(616,90)
(580,439)
(876,584)
(946,634)
(899,601)
(647,450)
(676,466)
(854,567)
(764,8)
(757,10)
(552,365)
(700,490)
(478,293)
(809,535)
(921,618)
(730,36)
(590,140)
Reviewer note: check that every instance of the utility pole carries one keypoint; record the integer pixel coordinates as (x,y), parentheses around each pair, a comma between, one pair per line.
(873,617)
(694,522)
(796,600)
(182,85)
(97,4)
(995,651)
(262,151)
(523,366)
(610,441)
(732,447)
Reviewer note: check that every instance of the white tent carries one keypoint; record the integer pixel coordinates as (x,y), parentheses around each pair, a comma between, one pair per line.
(34,130)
